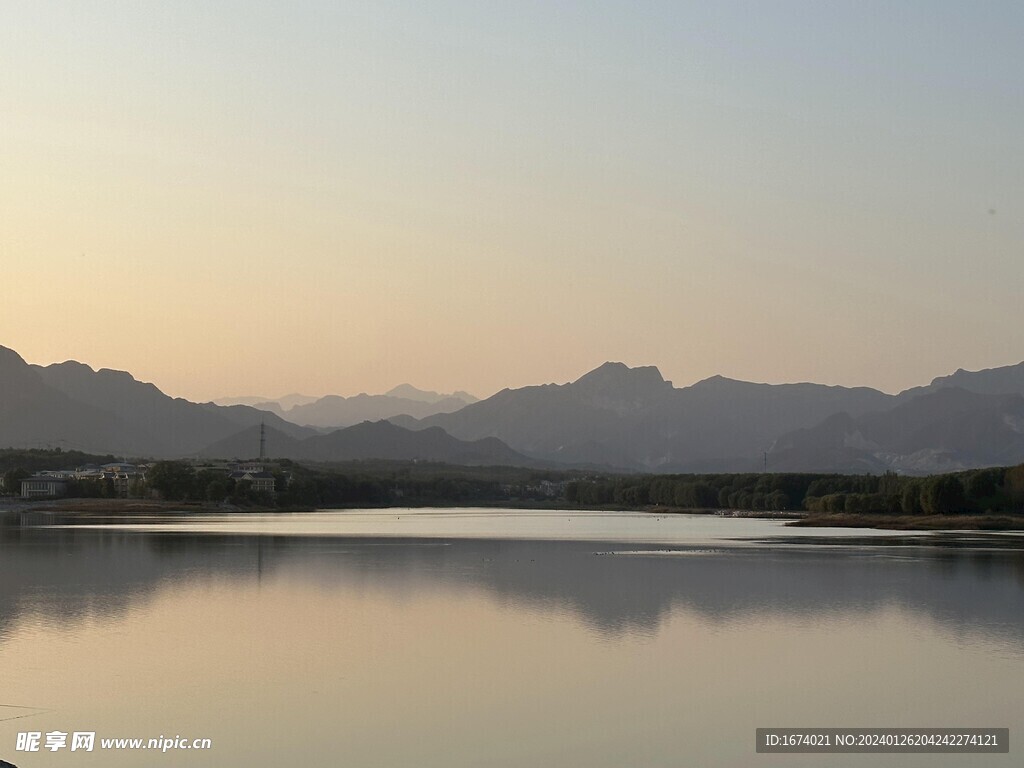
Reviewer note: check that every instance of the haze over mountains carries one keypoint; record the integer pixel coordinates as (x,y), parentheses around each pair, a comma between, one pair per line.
(284,402)
(632,418)
(944,430)
(333,411)
(613,417)
(376,440)
(72,406)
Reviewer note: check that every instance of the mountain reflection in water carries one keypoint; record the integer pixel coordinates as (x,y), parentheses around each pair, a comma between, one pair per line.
(455,651)
(67,573)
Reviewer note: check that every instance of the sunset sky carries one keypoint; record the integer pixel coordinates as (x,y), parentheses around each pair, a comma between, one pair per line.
(236,198)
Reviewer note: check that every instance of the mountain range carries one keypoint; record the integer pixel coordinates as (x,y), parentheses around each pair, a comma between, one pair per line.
(944,430)
(614,418)
(373,440)
(631,418)
(333,411)
(283,403)
(71,405)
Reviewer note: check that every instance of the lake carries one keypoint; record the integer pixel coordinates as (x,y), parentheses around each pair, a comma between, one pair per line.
(499,638)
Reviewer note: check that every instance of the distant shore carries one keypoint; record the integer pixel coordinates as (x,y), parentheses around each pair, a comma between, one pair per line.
(106,507)
(801,519)
(100,508)
(915,522)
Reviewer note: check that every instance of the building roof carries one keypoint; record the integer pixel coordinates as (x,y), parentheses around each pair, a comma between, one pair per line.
(239,474)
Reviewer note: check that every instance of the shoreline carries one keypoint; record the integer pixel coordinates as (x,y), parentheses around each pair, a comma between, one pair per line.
(115,507)
(994,522)
(102,508)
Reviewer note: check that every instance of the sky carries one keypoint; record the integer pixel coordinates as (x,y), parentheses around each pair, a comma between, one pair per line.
(256,198)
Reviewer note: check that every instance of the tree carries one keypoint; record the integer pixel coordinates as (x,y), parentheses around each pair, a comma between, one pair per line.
(910,499)
(943,495)
(13,478)
(572,492)
(173,480)
(984,483)
(1013,483)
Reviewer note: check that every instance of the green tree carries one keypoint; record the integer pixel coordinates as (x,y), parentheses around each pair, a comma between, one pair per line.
(173,480)
(984,486)
(910,499)
(943,495)
(1013,484)
(13,478)
(889,483)
(572,492)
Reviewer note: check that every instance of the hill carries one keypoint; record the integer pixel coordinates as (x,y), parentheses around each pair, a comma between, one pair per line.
(71,405)
(945,430)
(632,418)
(372,440)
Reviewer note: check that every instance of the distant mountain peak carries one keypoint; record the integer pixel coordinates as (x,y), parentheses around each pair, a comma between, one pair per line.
(8,357)
(14,369)
(276,404)
(409,392)
(73,365)
(1003,380)
(618,388)
(716,380)
(615,374)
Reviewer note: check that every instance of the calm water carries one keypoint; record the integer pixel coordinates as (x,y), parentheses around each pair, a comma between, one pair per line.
(500,638)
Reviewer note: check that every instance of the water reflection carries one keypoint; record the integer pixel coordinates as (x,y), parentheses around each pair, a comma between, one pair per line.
(459,652)
(67,574)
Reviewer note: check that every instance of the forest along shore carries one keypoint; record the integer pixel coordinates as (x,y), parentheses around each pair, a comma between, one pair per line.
(1007,522)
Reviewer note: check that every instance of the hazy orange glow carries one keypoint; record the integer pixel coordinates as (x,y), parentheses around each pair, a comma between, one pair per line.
(339,200)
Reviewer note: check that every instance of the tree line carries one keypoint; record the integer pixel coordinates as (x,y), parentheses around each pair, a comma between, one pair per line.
(999,489)
(390,483)
(18,463)
(373,483)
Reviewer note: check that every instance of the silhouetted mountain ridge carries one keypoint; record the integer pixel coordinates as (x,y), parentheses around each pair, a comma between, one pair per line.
(1006,380)
(372,440)
(614,416)
(634,419)
(71,405)
(944,430)
(334,411)
(34,415)
(409,392)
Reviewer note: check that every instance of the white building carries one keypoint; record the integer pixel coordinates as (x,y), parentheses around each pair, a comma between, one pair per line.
(43,487)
